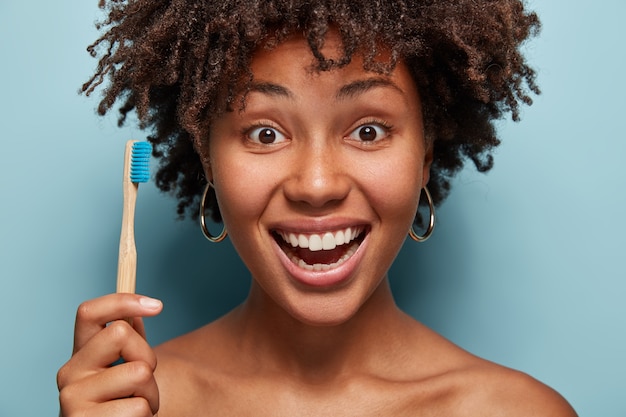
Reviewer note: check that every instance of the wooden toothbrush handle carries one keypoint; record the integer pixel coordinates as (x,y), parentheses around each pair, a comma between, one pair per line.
(127,260)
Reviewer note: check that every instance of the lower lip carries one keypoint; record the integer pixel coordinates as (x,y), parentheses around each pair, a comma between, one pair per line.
(321,279)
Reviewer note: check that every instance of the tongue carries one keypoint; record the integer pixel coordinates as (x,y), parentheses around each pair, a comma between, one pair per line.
(322,256)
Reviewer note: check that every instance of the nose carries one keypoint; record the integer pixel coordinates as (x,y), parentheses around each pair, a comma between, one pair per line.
(319,177)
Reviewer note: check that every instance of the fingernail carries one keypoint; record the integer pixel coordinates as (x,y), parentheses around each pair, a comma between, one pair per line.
(150,303)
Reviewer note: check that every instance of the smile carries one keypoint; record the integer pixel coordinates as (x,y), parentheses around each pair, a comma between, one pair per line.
(320,251)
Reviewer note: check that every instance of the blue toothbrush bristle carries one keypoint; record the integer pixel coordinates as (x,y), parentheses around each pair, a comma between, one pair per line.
(140,161)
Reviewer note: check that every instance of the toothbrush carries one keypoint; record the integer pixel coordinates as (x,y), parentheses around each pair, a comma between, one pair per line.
(136,170)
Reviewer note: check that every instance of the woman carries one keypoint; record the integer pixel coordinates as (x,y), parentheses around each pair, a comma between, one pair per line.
(312,128)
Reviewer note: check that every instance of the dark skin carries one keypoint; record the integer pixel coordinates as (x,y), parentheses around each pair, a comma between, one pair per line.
(199,378)
(438,378)
(296,347)
(180,63)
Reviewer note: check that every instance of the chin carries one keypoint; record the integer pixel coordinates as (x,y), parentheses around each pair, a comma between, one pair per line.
(326,310)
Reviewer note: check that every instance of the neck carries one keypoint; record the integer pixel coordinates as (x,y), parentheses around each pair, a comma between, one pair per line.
(316,353)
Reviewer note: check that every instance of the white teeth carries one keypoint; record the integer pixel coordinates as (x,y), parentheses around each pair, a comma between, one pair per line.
(339,238)
(327,241)
(315,243)
(324,267)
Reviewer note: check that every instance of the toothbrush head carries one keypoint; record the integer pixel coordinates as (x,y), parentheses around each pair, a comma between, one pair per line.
(139,163)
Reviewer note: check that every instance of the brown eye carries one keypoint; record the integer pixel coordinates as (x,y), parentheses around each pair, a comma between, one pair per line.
(266,135)
(369,133)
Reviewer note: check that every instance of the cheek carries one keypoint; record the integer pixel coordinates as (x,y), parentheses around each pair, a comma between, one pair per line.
(395,188)
(242,190)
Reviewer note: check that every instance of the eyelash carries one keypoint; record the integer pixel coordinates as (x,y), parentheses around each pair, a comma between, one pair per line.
(247,131)
(388,128)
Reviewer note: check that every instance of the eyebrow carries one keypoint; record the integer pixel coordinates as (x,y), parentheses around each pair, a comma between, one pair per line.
(359,87)
(347,91)
(271,89)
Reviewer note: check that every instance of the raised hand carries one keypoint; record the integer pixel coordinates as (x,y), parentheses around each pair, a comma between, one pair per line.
(89,385)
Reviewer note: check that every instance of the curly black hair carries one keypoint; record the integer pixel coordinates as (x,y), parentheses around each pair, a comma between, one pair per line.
(180,63)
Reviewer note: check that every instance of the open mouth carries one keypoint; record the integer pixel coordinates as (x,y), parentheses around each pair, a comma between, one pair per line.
(320,251)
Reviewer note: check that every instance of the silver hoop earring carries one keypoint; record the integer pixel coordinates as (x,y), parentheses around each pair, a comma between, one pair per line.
(205,230)
(431,221)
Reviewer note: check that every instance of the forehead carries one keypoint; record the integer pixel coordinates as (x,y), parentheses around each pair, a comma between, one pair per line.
(292,63)
(332,47)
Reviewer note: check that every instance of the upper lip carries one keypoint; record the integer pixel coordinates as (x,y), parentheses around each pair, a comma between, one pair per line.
(315,226)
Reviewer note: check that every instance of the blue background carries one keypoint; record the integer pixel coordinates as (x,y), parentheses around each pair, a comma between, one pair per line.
(526,267)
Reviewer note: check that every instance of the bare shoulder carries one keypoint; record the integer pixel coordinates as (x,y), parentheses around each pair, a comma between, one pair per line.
(462,384)
(493,390)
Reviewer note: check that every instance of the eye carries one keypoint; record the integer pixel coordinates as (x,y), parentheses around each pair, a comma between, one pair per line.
(369,132)
(265,135)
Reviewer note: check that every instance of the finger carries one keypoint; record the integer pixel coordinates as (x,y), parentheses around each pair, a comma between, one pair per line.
(129,380)
(107,346)
(93,315)
(125,407)
(132,379)
(115,341)
(139,326)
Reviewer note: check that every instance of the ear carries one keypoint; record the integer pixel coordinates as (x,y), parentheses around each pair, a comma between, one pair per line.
(208,173)
(428,161)
(206,166)
(203,153)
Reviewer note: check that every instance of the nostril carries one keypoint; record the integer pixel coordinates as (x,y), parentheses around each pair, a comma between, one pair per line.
(317,191)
